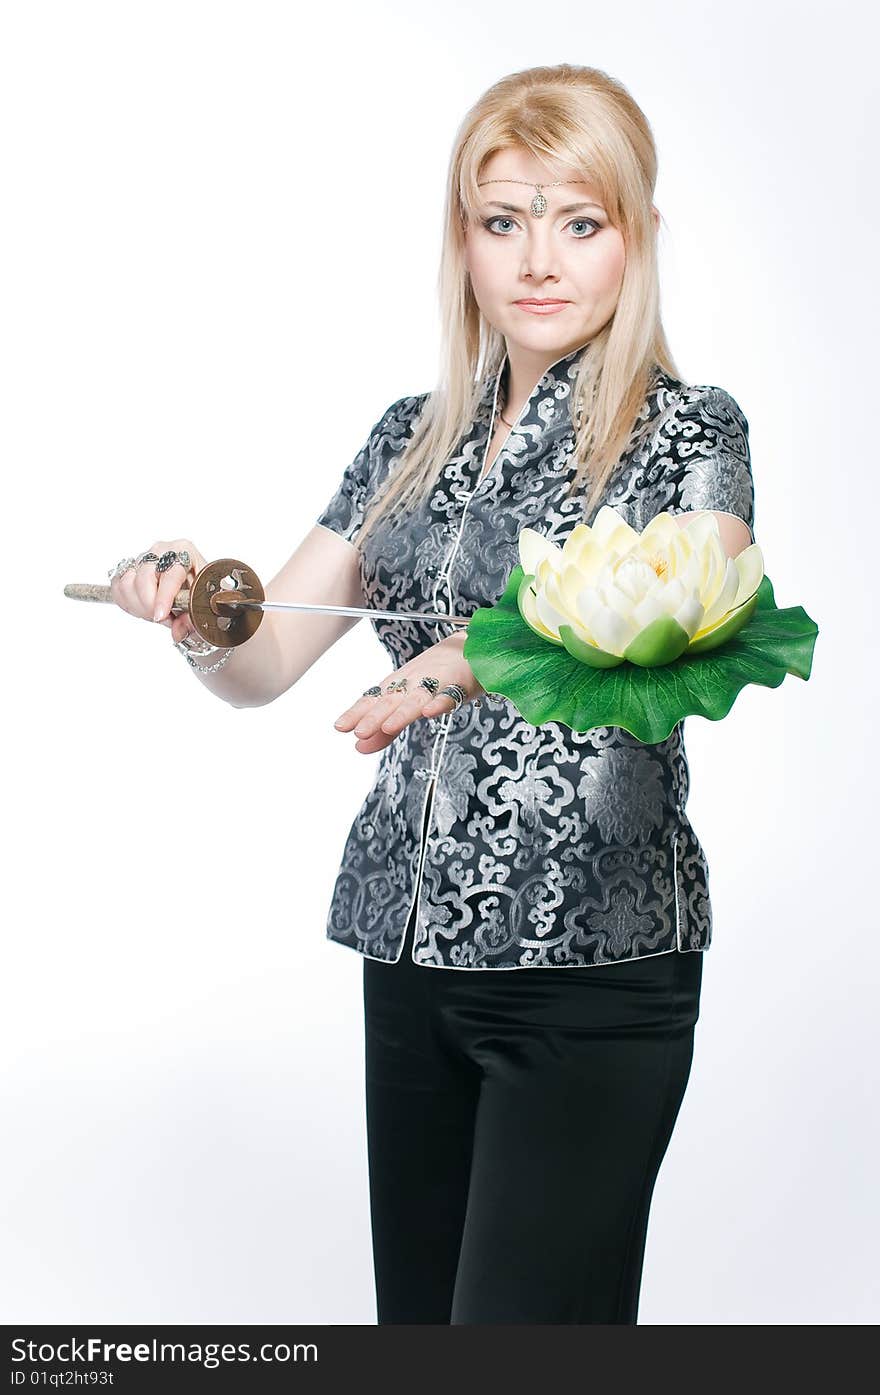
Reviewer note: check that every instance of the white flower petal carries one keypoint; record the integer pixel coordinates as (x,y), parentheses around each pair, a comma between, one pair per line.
(610,630)
(534,548)
(548,614)
(634,578)
(725,596)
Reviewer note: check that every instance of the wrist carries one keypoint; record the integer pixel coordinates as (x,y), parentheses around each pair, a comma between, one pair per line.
(456,641)
(201,655)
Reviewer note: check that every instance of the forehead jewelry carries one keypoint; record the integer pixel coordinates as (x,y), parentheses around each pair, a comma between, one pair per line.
(538,206)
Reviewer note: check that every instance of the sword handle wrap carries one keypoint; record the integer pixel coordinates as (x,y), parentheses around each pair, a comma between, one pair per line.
(93,591)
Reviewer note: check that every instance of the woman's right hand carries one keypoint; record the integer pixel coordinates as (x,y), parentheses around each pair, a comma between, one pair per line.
(146,593)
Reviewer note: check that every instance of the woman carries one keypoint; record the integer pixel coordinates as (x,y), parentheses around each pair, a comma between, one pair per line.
(516,1120)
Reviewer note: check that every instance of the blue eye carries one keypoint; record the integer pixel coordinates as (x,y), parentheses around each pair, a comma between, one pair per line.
(587,223)
(584,222)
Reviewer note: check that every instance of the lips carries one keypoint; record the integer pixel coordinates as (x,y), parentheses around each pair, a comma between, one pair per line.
(542,307)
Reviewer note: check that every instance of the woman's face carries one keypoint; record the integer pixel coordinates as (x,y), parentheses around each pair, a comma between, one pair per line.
(569,254)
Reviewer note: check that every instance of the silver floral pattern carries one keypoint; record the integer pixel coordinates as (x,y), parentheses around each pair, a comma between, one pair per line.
(542,847)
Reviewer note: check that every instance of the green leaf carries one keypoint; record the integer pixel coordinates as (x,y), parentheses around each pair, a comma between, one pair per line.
(547,684)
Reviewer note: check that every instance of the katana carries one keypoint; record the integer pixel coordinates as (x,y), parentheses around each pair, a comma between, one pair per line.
(226,602)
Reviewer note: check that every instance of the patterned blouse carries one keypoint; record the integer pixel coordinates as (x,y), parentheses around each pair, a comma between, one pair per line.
(525,846)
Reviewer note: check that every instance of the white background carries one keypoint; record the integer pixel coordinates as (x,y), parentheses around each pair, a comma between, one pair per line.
(221,228)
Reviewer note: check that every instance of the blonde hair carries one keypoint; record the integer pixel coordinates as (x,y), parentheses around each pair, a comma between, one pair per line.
(570,118)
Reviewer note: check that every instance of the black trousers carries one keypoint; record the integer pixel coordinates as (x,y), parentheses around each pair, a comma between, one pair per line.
(516,1122)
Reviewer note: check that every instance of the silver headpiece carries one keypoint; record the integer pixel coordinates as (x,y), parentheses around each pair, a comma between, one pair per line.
(538,206)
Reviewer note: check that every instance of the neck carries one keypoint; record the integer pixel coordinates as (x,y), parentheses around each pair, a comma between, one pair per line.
(525,368)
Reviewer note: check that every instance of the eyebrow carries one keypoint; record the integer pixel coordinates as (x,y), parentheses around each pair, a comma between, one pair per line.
(566,208)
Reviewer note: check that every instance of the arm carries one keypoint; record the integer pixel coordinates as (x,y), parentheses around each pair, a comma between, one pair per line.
(324,570)
(704,444)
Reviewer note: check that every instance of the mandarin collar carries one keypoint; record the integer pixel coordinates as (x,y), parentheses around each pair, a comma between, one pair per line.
(548,402)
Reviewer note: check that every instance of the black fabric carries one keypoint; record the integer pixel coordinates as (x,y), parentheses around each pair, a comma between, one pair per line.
(516,1124)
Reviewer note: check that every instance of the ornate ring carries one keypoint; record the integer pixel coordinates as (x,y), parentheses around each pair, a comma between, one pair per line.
(456,692)
(169,558)
(397,685)
(375,691)
(125,564)
(432,684)
(147,557)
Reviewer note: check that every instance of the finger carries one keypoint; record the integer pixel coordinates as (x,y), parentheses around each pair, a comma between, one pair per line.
(409,710)
(431,704)
(373,718)
(410,707)
(170,582)
(172,579)
(394,712)
(443,702)
(180,626)
(127,595)
(352,715)
(368,712)
(117,593)
(369,745)
(146,582)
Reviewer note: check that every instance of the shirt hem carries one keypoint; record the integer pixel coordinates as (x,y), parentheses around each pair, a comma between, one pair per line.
(508,968)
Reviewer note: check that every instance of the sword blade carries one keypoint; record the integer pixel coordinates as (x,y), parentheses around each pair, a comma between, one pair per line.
(228,600)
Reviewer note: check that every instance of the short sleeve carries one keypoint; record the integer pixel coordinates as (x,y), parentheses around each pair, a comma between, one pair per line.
(345,510)
(702,459)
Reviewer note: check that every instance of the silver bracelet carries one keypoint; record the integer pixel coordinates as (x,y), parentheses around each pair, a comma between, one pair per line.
(211,668)
(212,649)
(194,644)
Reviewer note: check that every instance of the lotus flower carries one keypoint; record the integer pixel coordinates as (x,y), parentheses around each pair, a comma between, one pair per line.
(611,593)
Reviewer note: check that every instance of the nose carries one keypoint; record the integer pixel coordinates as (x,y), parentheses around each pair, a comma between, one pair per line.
(541,255)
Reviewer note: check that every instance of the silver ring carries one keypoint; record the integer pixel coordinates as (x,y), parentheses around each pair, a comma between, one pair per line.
(375,691)
(432,684)
(456,692)
(125,564)
(170,558)
(147,557)
(397,685)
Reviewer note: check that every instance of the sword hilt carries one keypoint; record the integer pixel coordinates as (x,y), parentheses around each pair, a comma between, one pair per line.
(94,591)
(225,627)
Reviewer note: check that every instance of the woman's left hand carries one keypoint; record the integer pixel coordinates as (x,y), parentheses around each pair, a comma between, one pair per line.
(377,720)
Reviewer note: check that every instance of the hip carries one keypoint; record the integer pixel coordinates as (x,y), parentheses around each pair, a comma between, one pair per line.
(653,994)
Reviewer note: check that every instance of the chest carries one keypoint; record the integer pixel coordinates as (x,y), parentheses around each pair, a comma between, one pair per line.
(455,551)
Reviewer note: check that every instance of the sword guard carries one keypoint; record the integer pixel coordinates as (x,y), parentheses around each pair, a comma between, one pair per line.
(226,576)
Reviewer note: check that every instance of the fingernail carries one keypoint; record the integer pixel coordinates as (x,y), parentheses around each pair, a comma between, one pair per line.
(158,613)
